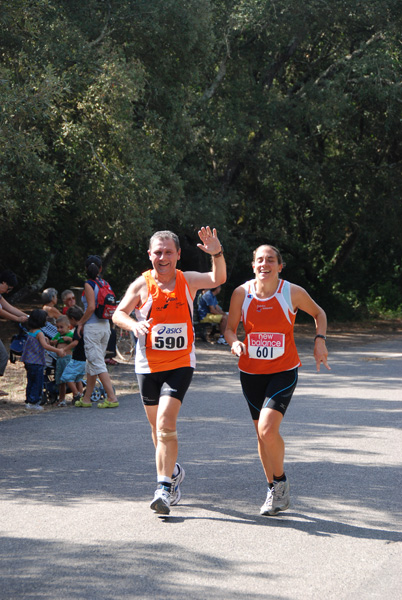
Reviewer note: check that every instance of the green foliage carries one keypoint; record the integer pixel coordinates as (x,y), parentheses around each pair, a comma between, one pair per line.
(273,121)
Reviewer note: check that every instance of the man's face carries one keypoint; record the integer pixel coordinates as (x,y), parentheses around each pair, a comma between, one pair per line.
(164,256)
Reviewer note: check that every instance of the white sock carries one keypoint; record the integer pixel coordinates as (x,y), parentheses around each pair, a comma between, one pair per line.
(162,479)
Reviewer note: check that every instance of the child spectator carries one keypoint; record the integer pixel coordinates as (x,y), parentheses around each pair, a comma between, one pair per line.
(68,299)
(33,356)
(49,299)
(74,372)
(62,339)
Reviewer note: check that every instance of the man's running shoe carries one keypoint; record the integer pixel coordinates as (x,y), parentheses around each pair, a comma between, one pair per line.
(161,502)
(175,494)
(221,340)
(278,498)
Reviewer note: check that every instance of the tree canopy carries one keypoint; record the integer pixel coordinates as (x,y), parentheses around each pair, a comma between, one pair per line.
(276,122)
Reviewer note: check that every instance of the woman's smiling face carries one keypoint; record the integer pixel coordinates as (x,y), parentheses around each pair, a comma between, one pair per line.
(265,264)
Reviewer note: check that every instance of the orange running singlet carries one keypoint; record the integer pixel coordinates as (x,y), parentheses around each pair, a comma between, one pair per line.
(269,327)
(169,343)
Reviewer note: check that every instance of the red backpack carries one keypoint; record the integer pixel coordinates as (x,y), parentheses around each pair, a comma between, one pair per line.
(106,301)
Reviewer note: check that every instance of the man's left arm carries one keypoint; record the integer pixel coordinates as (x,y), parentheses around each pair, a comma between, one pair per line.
(217,276)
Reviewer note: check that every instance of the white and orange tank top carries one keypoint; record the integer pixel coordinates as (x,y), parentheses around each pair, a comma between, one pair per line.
(268,324)
(169,344)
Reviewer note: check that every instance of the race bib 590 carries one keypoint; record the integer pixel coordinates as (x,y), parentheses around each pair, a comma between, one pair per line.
(169,336)
(266,346)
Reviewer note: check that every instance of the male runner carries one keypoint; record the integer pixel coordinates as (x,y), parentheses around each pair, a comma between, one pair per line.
(162,299)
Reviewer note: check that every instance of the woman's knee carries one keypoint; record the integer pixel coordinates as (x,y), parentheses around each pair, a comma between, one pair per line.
(268,426)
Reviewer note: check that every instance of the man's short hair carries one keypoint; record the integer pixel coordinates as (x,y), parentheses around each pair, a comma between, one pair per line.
(165,235)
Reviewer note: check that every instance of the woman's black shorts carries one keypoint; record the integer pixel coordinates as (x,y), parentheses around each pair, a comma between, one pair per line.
(174,383)
(268,391)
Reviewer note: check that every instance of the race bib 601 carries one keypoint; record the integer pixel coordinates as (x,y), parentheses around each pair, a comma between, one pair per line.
(266,346)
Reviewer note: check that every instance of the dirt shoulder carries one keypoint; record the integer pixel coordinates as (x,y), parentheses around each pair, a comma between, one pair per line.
(339,334)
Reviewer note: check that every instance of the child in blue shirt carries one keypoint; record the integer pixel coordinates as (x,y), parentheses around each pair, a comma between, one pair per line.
(33,356)
(62,339)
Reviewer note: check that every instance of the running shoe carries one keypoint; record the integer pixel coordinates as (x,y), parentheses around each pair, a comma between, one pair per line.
(107,404)
(278,498)
(62,403)
(161,502)
(36,406)
(175,494)
(222,341)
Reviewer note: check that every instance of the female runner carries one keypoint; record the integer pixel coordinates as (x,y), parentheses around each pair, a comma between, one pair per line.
(268,359)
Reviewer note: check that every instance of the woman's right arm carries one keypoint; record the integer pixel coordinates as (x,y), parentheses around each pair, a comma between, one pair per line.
(90,309)
(13,311)
(5,314)
(236,303)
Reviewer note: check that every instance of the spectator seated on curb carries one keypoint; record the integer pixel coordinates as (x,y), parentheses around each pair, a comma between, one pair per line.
(209,311)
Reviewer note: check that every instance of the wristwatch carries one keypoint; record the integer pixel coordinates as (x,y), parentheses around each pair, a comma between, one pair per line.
(323,337)
(220,253)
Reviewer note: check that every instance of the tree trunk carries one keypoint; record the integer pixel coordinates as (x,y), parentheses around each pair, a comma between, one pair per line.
(38,285)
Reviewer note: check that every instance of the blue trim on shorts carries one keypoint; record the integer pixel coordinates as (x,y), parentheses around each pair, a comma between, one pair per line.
(258,386)
(279,392)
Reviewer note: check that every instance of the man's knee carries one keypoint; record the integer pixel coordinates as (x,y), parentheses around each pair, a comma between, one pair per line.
(166,435)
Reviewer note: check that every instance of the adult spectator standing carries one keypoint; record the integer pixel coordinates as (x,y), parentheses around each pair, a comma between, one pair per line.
(162,298)
(96,337)
(268,359)
(209,311)
(8,281)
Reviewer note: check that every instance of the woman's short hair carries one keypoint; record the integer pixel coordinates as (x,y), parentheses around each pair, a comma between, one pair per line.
(48,295)
(66,293)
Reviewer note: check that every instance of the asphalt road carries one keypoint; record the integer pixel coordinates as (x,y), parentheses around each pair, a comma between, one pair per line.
(76,485)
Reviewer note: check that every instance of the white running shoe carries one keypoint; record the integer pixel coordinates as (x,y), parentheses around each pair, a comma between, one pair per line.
(33,406)
(161,502)
(221,340)
(278,498)
(175,494)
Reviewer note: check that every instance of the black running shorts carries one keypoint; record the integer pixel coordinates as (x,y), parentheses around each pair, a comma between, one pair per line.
(174,383)
(268,391)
